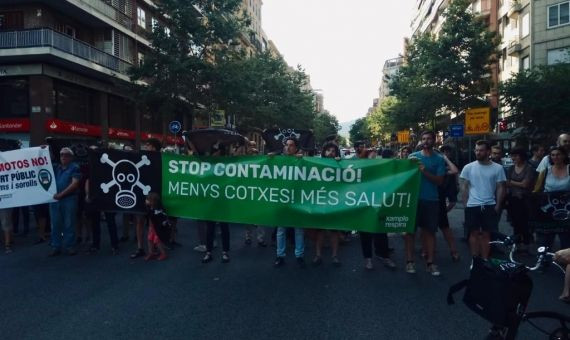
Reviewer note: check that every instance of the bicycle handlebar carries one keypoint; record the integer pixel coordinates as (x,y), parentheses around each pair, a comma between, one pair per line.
(543,256)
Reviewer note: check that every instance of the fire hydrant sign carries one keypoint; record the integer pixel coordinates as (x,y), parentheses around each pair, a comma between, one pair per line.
(478,121)
(26,177)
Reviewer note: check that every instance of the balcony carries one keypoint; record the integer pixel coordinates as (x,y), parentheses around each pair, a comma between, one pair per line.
(110,12)
(515,10)
(515,47)
(45,37)
(483,9)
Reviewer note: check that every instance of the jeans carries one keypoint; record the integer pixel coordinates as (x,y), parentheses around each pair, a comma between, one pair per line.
(211,234)
(63,215)
(111,226)
(380,245)
(26,219)
(282,242)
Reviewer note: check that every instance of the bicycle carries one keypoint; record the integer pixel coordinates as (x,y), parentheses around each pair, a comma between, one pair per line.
(518,286)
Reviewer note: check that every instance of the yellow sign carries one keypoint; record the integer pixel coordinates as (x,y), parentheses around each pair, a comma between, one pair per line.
(478,121)
(218,118)
(404,137)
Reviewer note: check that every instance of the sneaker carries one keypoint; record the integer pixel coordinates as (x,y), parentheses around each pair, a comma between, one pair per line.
(411,268)
(248,242)
(279,261)
(115,251)
(317,261)
(336,262)
(140,252)
(433,270)
(262,244)
(200,248)
(207,258)
(39,241)
(388,263)
(368,264)
(225,258)
(301,262)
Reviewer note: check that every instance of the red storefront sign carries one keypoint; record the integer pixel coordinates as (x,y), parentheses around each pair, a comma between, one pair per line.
(122,134)
(72,128)
(15,125)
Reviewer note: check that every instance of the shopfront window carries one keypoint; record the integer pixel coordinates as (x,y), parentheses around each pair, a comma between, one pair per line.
(121,113)
(14,98)
(76,104)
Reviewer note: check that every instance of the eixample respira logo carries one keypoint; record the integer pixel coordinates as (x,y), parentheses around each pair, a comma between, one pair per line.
(126,175)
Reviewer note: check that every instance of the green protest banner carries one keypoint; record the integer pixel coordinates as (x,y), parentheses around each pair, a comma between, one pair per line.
(308,192)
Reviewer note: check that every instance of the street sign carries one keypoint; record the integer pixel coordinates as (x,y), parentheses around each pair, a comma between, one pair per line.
(478,121)
(445,134)
(456,130)
(218,118)
(404,137)
(175,126)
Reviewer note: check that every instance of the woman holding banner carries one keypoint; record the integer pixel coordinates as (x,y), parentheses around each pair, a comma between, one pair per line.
(330,150)
(555,179)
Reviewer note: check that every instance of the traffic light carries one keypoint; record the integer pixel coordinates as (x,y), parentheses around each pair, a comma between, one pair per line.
(502,125)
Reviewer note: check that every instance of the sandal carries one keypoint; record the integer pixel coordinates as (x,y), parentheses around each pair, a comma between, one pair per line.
(317,261)
(336,261)
(455,257)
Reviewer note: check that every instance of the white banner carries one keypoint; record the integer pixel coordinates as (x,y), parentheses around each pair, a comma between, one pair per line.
(26,177)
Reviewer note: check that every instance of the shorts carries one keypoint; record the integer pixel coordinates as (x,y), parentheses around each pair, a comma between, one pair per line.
(443,219)
(427,217)
(481,218)
(6,219)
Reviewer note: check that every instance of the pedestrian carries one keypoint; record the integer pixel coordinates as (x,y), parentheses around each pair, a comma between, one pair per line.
(432,168)
(217,150)
(447,193)
(483,188)
(41,215)
(537,155)
(404,152)
(159,228)
(519,181)
(63,212)
(564,141)
(563,258)
(151,145)
(330,150)
(251,150)
(7,226)
(551,179)
(497,154)
(291,149)
(25,211)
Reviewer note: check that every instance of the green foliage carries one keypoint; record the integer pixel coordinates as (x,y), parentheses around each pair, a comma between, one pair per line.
(539,98)
(359,131)
(263,92)
(444,73)
(178,69)
(325,125)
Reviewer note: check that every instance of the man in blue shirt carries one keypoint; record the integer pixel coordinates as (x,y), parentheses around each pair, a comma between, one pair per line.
(432,168)
(63,213)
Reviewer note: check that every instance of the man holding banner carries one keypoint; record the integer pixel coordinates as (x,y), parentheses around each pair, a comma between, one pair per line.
(291,149)
(63,212)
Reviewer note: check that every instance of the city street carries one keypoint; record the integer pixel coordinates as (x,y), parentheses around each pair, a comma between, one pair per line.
(113,297)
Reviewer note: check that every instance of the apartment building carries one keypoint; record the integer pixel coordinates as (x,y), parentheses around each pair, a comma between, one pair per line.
(64,69)
(391,67)
(254,40)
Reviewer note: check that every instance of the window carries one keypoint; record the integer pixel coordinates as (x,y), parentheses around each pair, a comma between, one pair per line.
(11,20)
(559,14)
(14,96)
(141,17)
(154,24)
(121,113)
(558,56)
(76,103)
(525,25)
(140,58)
(525,63)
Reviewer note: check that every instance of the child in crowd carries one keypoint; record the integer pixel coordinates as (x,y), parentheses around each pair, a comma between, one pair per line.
(159,228)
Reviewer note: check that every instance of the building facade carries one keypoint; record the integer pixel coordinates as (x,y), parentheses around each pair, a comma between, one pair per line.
(391,67)
(64,69)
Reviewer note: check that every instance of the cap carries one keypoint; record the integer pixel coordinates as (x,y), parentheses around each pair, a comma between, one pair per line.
(66,150)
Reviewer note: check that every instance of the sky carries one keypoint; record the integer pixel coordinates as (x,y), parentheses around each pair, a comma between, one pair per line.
(341,44)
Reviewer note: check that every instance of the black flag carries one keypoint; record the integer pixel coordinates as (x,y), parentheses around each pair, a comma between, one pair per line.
(275,139)
(121,180)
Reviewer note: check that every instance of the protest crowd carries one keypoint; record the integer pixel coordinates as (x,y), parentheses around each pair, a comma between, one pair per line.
(485,187)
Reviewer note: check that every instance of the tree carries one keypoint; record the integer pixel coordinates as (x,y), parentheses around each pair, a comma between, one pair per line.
(263,92)
(325,125)
(539,98)
(191,37)
(382,123)
(359,131)
(445,73)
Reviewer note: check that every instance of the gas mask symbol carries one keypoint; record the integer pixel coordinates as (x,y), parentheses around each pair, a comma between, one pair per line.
(560,207)
(284,134)
(126,176)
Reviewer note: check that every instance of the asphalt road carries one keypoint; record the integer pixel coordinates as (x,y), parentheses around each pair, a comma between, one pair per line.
(113,297)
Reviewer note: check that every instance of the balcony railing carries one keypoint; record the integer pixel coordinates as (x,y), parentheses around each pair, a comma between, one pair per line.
(45,37)
(110,12)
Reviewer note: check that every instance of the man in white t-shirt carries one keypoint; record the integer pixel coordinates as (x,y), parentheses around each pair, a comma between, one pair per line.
(483,187)
(563,140)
